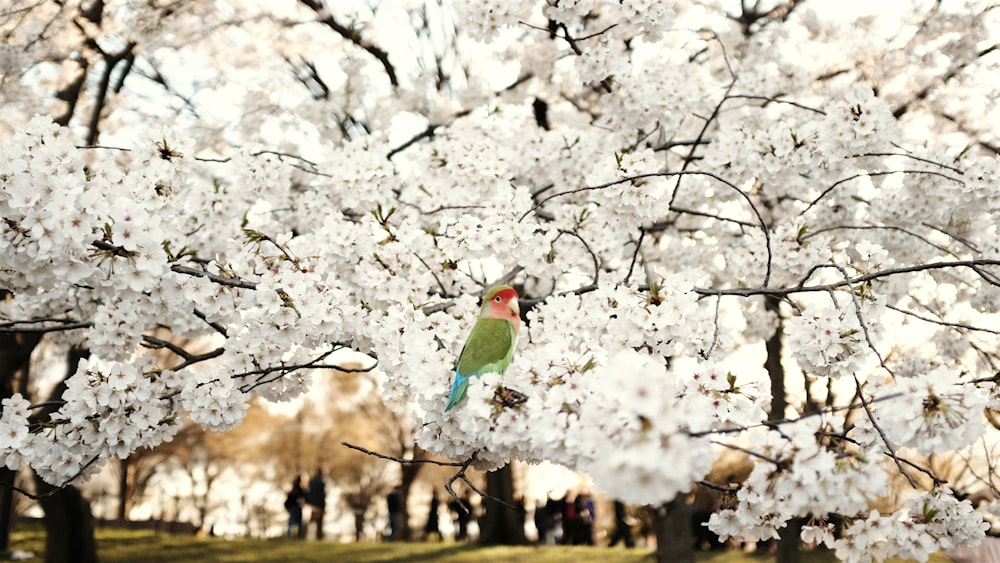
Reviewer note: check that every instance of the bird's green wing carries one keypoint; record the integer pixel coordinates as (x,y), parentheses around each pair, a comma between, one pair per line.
(489,348)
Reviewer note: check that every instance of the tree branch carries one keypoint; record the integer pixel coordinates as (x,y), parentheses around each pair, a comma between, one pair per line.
(874,174)
(14,327)
(221,280)
(763,225)
(354,36)
(460,474)
(800,288)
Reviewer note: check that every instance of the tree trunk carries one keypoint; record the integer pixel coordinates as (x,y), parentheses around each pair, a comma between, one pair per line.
(69,525)
(409,472)
(359,524)
(15,361)
(501,525)
(404,519)
(674,539)
(123,489)
(789,543)
(773,365)
(6,509)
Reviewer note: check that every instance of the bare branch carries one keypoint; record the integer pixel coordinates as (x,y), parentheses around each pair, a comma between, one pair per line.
(215,326)
(768,100)
(881,433)
(941,322)
(793,420)
(872,175)
(29,326)
(403,459)
(800,288)
(817,232)
(459,475)
(958,171)
(638,247)
(198,358)
(593,255)
(428,131)
(763,225)
(354,36)
(221,280)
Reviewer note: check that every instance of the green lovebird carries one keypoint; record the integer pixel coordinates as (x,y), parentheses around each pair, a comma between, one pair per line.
(489,347)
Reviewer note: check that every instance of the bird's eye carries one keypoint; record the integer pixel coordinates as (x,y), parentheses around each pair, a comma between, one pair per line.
(497,299)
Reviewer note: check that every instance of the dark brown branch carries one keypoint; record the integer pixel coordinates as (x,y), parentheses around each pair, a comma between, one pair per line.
(874,174)
(769,100)
(881,433)
(215,326)
(944,79)
(199,358)
(354,36)
(265,374)
(793,420)
(221,280)
(940,322)
(111,61)
(635,255)
(442,463)
(159,344)
(856,301)
(910,156)
(871,276)
(696,213)
(30,326)
(586,246)
(425,134)
(763,225)
(428,131)
(716,487)
(71,93)
(55,488)
(460,474)
(817,232)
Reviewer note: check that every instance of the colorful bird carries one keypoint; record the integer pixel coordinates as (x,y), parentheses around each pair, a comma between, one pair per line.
(489,347)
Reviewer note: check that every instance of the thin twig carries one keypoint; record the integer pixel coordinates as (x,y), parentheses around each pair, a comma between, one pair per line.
(885,439)
(403,459)
(777,423)
(65,324)
(586,246)
(760,218)
(941,322)
(460,474)
(638,246)
(871,276)
(221,280)
(914,157)
(872,175)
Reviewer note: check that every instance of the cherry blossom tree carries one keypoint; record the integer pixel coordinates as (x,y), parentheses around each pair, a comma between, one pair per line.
(667,184)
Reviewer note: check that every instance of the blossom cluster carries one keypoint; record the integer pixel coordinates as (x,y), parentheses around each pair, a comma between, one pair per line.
(676,194)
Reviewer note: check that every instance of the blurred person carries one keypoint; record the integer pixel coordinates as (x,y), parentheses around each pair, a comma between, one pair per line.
(432,526)
(293,504)
(586,515)
(394,502)
(316,499)
(545,521)
(623,526)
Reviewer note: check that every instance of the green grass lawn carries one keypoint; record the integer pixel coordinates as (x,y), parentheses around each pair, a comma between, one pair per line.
(123,546)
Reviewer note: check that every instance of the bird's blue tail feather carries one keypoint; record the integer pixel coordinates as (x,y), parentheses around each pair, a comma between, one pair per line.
(458,389)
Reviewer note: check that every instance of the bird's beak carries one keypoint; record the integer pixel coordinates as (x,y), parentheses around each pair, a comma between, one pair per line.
(514,308)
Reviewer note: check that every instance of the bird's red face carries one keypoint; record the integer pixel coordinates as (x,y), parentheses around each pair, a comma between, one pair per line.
(503,305)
